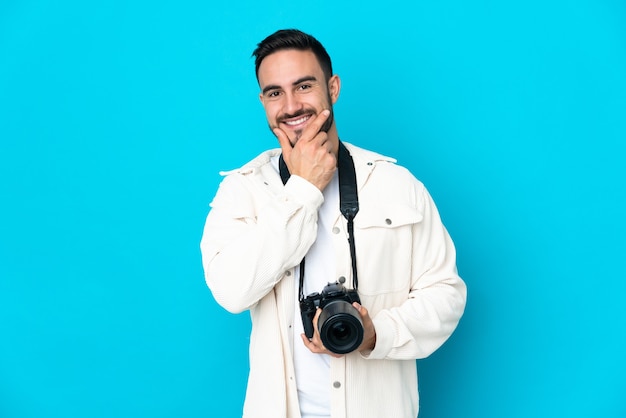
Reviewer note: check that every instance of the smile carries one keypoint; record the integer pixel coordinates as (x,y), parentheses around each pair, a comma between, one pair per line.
(298,121)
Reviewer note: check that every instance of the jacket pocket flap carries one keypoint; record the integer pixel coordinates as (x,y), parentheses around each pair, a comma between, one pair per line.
(389,216)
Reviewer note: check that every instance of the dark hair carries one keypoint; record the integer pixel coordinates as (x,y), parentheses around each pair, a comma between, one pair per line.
(292,39)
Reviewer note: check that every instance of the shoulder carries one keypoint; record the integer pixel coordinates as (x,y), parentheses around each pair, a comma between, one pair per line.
(381,168)
(361,155)
(384,183)
(249,182)
(258,163)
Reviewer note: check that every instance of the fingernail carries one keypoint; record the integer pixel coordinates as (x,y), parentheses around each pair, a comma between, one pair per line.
(326,112)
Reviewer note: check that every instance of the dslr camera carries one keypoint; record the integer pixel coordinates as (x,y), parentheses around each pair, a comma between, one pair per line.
(339,324)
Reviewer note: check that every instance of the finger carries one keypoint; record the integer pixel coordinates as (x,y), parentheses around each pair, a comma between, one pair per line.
(318,312)
(316,340)
(283,141)
(362,309)
(313,129)
(314,348)
(317,349)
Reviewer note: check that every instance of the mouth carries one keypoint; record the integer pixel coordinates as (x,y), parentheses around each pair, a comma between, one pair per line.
(298,122)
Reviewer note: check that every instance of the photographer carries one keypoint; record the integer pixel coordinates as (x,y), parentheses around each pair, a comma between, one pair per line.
(321,235)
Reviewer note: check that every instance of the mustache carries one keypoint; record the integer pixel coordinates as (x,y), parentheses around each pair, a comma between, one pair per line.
(299,113)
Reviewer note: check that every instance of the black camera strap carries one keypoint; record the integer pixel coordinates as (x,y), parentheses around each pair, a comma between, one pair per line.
(348,205)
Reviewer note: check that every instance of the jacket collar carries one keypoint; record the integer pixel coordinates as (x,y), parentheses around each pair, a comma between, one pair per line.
(364,163)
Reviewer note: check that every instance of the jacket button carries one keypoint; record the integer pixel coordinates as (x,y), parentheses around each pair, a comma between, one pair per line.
(335,230)
(337,385)
(388,221)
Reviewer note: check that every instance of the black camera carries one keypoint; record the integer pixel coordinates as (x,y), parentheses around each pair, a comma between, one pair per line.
(339,324)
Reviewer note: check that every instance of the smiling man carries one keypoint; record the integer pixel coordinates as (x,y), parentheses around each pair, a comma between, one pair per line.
(340,337)
(293,101)
(295,91)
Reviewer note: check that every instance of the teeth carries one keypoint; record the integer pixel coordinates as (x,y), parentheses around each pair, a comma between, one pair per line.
(297,121)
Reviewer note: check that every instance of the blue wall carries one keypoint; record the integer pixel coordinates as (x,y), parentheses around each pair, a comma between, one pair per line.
(116,116)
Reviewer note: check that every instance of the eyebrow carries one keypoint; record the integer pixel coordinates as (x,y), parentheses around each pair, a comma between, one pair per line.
(295,83)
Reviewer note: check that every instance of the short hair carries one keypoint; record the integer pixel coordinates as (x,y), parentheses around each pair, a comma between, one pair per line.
(292,39)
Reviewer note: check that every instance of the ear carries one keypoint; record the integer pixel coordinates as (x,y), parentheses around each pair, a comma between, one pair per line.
(334,85)
(261,99)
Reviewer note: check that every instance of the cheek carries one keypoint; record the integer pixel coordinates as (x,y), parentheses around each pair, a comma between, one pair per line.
(326,100)
(271,112)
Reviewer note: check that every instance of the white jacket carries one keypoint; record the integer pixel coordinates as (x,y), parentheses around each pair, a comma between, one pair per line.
(258,231)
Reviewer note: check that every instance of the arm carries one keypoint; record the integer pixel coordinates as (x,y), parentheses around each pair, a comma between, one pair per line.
(249,241)
(436,300)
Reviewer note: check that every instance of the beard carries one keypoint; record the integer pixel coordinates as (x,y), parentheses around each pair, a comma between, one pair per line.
(325,127)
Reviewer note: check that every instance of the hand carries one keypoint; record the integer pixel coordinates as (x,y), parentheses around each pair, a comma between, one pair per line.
(369,335)
(315,344)
(369,332)
(311,156)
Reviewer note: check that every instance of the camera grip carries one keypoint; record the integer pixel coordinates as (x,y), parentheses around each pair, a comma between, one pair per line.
(307,311)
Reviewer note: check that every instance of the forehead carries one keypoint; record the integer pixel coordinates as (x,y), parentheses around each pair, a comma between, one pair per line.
(286,66)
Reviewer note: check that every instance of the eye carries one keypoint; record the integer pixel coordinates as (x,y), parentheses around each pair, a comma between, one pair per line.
(272,94)
(304,87)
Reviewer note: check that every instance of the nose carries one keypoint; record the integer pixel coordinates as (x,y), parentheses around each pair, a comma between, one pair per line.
(291,104)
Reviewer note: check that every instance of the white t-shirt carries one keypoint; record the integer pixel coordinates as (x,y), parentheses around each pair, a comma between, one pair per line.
(313,370)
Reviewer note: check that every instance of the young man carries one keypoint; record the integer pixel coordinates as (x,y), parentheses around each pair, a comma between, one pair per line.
(287,205)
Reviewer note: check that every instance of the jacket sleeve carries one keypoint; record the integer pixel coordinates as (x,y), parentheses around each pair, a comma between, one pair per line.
(436,299)
(251,239)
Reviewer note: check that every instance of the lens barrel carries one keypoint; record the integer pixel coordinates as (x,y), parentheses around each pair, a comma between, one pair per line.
(340,327)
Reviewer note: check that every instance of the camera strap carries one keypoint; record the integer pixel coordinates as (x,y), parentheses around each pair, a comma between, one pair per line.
(348,205)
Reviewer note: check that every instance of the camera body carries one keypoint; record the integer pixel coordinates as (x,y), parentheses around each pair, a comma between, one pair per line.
(339,324)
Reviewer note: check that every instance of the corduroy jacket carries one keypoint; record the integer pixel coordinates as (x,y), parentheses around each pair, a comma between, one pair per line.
(257,232)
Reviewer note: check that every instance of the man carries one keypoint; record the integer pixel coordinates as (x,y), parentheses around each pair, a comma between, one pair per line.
(261,227)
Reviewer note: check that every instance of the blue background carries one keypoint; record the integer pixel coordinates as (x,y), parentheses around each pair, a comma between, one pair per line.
(116,116)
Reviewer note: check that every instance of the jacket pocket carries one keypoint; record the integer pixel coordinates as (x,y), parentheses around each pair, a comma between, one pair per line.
(384,245)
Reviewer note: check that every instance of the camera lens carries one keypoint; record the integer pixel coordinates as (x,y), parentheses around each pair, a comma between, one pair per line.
(340,331)
(340,327)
